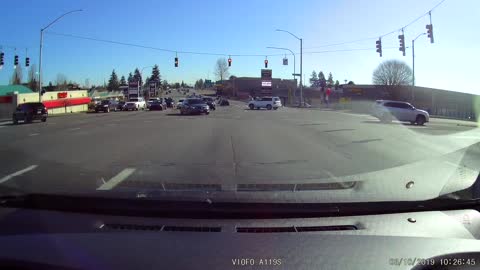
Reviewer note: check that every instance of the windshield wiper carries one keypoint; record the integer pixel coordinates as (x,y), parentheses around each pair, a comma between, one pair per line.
(209,209)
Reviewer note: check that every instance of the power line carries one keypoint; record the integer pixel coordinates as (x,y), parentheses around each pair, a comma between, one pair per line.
(156,48)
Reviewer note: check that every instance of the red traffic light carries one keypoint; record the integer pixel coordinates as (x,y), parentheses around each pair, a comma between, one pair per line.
(229,62)
(266,63)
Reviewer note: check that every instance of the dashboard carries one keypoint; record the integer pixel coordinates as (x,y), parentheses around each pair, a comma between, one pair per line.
(44,239)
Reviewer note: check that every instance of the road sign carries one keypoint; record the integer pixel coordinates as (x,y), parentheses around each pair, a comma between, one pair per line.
(133,88)
(296,74)
(153,89)
(266,81)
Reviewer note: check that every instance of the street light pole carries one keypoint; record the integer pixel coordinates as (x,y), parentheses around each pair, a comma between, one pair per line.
(413,64)
(41,47)
(286,49)
(301,63)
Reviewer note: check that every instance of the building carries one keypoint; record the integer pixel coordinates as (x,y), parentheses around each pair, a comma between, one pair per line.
(245,87)
(435,101)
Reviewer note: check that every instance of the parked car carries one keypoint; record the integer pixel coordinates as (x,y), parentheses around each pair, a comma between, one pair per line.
(265,102)
(130,106)
(194,106)
(120,105)
(156,106)
(210,102)
(387,110)
(106,106)
(180,103)
(139,102)
(30,111)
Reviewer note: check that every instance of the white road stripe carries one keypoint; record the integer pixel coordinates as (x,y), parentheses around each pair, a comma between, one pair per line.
(117,179)
(33,134)
(73,129)
(10,176)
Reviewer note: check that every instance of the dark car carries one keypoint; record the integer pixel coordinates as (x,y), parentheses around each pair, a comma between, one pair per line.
(30,111)
(106,106)
(156,105)
(194,106)
(210,102)
(120,105)
(224,102)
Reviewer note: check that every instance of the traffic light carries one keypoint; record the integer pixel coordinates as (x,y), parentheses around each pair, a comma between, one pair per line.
(266,63)
(15,61)
(430,32)
(401,38)
(229,61)
(176,61)
(379,46)
(1,59)
(27,61)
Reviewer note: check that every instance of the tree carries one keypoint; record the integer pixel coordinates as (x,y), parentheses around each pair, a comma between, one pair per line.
(87,83)
(164,84)
(221,69)
(176,85)
(392,73)
(123,81)
(155,74)
(183,84)
(351,83)
(61,82)
(330,79)
(137,77)
(32,78)
(113,83)
(17,75)
(130,77)
(321,76)
(313,78)
(337,84)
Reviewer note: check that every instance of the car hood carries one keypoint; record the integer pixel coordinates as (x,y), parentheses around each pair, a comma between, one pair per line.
(421,111)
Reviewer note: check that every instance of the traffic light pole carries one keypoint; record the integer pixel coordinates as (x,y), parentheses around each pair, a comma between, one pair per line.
(40,56)
(413,64)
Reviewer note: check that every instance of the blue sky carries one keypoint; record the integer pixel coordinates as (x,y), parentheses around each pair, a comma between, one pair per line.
(243,27)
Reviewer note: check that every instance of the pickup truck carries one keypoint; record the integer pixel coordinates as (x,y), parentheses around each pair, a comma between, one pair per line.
(140,102)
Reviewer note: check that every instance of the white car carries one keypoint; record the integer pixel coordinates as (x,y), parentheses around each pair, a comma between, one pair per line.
(387,110)
(140,103)
(265,102)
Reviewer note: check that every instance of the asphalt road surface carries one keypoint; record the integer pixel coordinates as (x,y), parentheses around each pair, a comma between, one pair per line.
(232,145)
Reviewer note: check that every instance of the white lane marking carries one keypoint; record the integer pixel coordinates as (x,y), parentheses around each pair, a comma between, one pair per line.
(33,134)
(117,179)
(2,126)
(73,129)
(10,176)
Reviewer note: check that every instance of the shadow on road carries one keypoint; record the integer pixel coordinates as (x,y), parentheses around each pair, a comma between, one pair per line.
(391,123)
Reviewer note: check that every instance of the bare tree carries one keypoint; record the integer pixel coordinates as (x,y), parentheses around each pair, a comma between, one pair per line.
(221,69)
(61,81)
(17,75)
(32,78)
(392,73)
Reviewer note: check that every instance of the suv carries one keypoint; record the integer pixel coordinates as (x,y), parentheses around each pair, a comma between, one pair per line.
(106,106)
(194,106)
(30,111)
(385,110)
(265,102)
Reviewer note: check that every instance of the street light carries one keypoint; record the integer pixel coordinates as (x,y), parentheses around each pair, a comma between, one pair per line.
(41,46)
(286,49)
(413,63)
(301,66)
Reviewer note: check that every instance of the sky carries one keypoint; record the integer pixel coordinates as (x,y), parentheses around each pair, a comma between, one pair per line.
(243,27)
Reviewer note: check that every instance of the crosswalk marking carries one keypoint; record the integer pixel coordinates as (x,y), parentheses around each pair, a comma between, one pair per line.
(117,179)
(10,176)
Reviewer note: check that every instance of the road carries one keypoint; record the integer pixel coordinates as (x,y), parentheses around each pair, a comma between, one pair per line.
(232,145)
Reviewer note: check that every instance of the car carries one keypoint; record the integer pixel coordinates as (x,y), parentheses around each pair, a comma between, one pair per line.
(194,106)
(139,102)
(30,111)
(156,106)
(120,105)
(130,106)
(180,103)
(265,102)
(151,100)
(210,102)
(106,106)
(223,102)
(387,110)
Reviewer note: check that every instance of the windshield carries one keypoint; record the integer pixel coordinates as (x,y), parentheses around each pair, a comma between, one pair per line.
(316,101)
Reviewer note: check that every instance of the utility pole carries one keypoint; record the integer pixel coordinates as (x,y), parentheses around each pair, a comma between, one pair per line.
(301,64)
(413,64)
